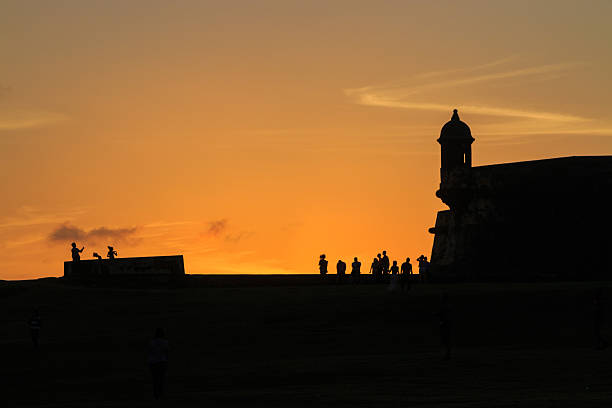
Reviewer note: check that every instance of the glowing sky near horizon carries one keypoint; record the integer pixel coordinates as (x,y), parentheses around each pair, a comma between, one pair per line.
(253,136)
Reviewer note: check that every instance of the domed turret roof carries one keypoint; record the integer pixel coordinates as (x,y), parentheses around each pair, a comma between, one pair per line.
(455,130)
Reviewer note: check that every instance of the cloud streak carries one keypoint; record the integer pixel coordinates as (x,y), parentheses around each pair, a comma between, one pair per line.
(375,100)
(29,216)
(219,229)
(68,232)
(216,227)
(29,119)
(433,74)
(414,94)
(4,90)
(237,237)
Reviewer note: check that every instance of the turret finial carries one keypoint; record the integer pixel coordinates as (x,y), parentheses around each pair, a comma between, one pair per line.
(455,115)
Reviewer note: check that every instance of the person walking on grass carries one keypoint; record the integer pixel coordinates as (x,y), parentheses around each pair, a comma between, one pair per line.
(158,362)
(35,324)
(445,326)
(598,319)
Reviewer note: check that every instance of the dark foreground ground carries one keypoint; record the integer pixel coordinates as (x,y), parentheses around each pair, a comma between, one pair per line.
(515,345)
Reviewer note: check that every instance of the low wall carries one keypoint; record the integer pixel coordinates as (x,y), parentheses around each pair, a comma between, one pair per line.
(142,266)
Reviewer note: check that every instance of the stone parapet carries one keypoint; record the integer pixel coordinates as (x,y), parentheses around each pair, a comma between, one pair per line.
(143,266)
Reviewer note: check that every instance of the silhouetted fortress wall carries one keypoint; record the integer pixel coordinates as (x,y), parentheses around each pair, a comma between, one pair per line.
(144,266)
(542,219)
(537,219)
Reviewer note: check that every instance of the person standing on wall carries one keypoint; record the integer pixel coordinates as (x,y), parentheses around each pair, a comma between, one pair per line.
(111,253)
(356,270)
(385,263)
(406,271)
(340,270)
(374,270)
(322,265)
(76,252)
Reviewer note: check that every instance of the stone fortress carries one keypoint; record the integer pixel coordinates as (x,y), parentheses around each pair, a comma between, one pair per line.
(141,267)
(534,220)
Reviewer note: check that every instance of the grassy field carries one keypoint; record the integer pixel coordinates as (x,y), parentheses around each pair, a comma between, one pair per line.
(291,343)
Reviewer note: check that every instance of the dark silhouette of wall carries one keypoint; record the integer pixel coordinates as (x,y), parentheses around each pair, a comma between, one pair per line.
(144,266)
(542,219)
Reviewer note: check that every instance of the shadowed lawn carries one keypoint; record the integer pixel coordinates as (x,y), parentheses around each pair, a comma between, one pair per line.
(526,345)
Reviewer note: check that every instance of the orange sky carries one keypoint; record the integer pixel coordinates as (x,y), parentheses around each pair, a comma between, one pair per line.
(253,136)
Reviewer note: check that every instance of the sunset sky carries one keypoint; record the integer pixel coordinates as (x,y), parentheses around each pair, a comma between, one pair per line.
(252,136)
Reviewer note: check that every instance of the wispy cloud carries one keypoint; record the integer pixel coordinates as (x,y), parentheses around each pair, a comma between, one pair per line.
(475,68)
(399,94)
(29,119)
(422,83)
(220,229)
(237,237)
(26,216)
(418,93)
(4,90)
(166,224)
(217,227)
(375,100)
(68,232)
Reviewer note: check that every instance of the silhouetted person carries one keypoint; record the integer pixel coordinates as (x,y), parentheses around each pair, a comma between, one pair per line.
(406,271)
(420,259)
(322,265)
(158,362)
(423,264)
(598,317)
(35,324)
(445,326)
(374,268)
(340,270)
(380,266)
(76,252)
(356,270)
(98,265)
(385,263)
(111,253)
(393,281)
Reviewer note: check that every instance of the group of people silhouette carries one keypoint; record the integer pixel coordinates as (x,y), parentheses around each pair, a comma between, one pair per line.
(380,267)
(76,253)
